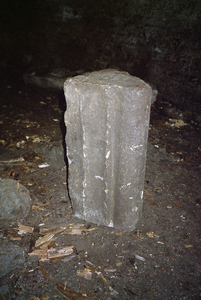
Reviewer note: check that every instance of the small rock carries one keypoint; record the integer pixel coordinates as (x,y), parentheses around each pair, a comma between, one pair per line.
(11,257)
(172,112)
(15,202)
(114,293)
(4,291)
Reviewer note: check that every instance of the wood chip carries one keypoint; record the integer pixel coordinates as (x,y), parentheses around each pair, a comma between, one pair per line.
(44,272)
(84,273)
(104,279)
(15,239)
(150,234)
(72,229)
(32,297)
(118,263)
(146,192)
(14,160)
(23,229)
(72,295)
(44,239)
(137,238)
(52,230)
(41,253)
(176,204)
(117,233)
(46,254)
(188,246)
(59,252)
(48,245)
(77,229)
(108,270)
(36,207)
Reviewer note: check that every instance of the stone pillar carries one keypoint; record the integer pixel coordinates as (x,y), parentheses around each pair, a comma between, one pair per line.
(107,120)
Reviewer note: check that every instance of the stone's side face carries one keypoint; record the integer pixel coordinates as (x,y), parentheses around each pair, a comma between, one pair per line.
(107,120)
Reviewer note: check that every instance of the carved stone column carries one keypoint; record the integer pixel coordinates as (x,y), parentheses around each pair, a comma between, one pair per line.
(107,120)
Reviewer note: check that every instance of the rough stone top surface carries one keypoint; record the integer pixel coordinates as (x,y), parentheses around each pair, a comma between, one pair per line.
(109,77)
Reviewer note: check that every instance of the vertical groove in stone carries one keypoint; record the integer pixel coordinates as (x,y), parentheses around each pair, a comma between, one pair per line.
(107,121)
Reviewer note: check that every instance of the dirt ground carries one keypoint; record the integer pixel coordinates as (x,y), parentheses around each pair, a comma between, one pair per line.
(159,260)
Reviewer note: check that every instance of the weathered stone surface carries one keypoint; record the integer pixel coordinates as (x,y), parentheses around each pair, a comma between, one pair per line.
(15,202)
(107,120)
(11,257)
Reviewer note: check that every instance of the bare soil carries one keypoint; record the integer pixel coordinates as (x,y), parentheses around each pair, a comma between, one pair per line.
(161,259)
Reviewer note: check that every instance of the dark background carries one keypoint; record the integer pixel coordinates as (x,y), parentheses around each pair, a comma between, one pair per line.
(156,40)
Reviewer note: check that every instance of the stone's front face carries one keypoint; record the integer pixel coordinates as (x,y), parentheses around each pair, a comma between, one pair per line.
(107,120)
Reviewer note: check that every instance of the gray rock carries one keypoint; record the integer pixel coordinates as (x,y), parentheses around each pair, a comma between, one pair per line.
(107,121)
(4,291)
(11,257)
(54,79)
(56,157)
(15,202)
(47,81)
